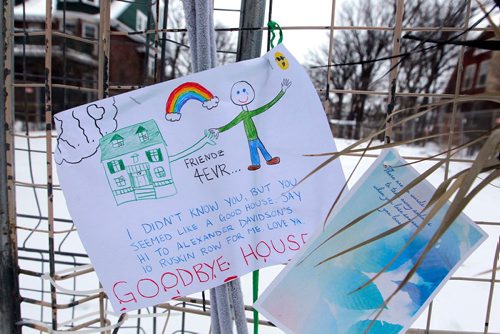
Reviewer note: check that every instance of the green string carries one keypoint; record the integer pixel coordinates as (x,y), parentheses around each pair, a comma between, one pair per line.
(255,275)
(272,27)
(255,279)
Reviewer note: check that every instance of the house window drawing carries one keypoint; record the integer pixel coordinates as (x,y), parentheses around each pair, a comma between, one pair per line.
(115,166)
(142,134)
(120,181)
(160,172)
(154,155)
(117,141)
(136,163)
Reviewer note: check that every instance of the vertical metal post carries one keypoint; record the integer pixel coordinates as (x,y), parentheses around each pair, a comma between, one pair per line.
(249,46)
(163,41)
(269,18)
(326,102)
(104,45)
(103,91)
(492,287)
(146,43)
(156,42)
(250,41)
(9,285)
(393,74)
(458,85)
(48,145)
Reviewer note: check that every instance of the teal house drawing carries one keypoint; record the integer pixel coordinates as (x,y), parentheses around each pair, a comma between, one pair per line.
(137,163)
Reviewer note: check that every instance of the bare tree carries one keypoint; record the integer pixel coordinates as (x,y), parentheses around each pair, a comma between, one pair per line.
(341,76)
(423,70)
(357,46)
(368,45)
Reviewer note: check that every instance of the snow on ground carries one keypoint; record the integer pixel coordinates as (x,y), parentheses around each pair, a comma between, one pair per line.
(460,306)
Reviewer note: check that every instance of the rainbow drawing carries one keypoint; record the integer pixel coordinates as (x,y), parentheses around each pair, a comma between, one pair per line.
(184,93)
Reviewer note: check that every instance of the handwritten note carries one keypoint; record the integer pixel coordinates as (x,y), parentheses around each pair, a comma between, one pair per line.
(407,208)
(188,247)
(187,184)
(321,295)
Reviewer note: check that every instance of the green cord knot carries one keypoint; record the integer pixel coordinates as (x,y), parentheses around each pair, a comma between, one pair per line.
(272,27)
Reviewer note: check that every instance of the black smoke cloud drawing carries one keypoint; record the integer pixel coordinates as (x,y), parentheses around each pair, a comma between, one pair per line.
(79,130)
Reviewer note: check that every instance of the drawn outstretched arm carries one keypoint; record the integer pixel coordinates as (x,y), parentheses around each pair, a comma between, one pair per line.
(209,138)
(285,84)
(229,125)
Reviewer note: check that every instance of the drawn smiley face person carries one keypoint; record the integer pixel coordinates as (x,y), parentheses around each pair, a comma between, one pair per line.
(242,93)
(281,60)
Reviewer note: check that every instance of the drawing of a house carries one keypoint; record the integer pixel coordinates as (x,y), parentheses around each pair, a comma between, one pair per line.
(137,164)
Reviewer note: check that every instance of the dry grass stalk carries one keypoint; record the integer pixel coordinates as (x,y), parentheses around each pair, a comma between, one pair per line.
(462,187)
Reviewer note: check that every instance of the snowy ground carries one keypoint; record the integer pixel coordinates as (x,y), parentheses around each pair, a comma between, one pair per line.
(460,306)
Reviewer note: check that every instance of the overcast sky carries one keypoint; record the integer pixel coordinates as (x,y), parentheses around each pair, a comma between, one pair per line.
(290,13)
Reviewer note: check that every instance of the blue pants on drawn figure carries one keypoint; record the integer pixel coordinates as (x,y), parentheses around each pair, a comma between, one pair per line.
(256,145)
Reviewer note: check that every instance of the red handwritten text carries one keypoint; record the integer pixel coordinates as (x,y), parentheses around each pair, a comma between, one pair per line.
(265,249)
(169,281)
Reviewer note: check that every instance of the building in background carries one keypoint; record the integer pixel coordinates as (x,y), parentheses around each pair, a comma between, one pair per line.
(480,76)
(75,27)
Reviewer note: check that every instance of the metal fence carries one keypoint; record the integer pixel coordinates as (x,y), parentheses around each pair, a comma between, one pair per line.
(58,54)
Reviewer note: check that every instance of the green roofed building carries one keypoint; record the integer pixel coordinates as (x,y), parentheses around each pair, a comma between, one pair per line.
(137,164)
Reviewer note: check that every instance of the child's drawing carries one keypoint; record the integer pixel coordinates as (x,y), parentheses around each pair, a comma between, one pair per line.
(137,162)
(242,94)
(185,92)
(164,209)
(80,130)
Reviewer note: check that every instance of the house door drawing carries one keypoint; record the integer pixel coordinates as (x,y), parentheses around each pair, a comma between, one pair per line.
(140,178)
(139,174)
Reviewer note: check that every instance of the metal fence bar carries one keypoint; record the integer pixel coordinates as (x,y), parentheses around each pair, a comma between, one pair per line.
(10,312)
(48,146)
(310,27)
(330,51)
(250,41)
(56,33)
(103,92)
(407,94)
(492,287)
(104,49)
(71,87)
(393,74)
(458,85)
(157,73)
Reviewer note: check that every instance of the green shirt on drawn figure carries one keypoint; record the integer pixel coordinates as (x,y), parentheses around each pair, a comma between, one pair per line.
(246,116)
(242,94)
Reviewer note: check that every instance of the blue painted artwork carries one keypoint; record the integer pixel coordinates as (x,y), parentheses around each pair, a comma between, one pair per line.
(324,298)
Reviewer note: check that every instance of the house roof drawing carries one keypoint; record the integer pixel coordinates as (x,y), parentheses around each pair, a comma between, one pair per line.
(131,140)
